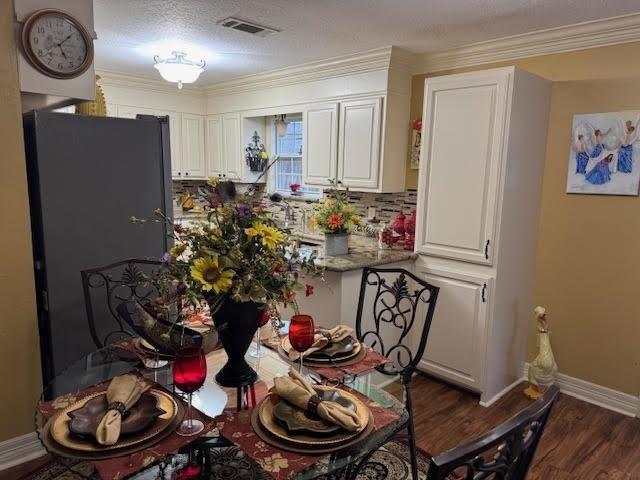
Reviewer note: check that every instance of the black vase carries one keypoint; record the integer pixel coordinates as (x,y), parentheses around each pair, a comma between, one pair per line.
(236,323)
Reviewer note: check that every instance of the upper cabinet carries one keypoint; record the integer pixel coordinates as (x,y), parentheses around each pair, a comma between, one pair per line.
(232,145)
(175,134)
(359,143)
(362,143)
(319,143)
(193,163)
(213,146)
(463,135)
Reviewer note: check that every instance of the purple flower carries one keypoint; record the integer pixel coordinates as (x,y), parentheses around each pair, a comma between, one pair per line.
(293,264)
(244,212)
(166,259)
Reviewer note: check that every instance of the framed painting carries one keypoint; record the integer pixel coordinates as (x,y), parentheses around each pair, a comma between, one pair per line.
(604,157)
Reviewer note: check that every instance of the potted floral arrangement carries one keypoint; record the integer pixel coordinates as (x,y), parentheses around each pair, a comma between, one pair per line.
(337,219)
(240,262)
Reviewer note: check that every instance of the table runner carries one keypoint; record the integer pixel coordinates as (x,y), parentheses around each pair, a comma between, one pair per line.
(281,464)
(116,468)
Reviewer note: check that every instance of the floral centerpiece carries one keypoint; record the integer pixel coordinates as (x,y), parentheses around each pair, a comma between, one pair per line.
(240,262)
(336,218)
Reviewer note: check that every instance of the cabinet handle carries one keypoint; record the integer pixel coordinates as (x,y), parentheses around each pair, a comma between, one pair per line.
(486,249)
(186,173)
(484,291)
(179,174)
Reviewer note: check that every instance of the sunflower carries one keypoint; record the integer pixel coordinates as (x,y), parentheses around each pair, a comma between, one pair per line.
(207,271)
(270,237)
(178,250)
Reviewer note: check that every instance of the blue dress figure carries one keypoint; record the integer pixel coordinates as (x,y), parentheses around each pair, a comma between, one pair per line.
(582,157)
(600,174)
(625,154)
(597,150)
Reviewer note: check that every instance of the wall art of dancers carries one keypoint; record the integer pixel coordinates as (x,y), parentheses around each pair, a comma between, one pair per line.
(605,154)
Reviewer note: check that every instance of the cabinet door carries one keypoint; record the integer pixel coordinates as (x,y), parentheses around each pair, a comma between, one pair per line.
(175,134)
(232,145)
(193,146)
(319,143)
(457,339)
(463,131)
(359,143)
(214,146)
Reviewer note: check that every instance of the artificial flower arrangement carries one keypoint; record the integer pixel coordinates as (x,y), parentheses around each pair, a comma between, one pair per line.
(335,215)
(238,254)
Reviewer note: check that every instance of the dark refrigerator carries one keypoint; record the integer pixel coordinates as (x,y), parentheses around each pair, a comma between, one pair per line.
(87,177)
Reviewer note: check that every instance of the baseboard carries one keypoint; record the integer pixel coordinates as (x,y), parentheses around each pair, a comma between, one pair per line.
(501,393)
(17,450)
(596,394)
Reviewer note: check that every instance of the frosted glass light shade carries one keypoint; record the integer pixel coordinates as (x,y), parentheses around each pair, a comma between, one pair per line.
(178,69)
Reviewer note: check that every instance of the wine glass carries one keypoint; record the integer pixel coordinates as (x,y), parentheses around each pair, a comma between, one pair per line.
(189,373)
(262,321)
(301,334)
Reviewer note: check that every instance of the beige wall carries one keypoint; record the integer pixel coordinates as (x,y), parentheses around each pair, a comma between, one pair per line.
(587,266)
(19,349)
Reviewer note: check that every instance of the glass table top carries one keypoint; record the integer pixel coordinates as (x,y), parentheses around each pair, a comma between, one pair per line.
(213,399)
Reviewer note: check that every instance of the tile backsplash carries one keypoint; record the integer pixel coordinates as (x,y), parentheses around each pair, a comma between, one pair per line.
(387,205)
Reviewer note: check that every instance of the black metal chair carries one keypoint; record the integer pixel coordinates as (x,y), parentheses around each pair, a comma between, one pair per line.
(112,285)
(402,310)
(504,453)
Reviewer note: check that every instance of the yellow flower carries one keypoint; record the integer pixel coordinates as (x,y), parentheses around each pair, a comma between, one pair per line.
(264,155)
(213,181)
(207,271)
(178,250)
(251,232)
(270,237)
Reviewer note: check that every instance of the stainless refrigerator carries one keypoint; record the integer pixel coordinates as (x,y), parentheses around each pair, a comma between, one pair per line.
(87,177)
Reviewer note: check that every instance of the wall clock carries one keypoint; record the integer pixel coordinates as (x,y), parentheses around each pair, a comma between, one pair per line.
(57,44)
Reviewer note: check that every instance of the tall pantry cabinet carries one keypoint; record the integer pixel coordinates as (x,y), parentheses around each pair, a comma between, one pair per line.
(483,147)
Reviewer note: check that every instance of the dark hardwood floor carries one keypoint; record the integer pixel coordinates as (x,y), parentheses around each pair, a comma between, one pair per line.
(581,442)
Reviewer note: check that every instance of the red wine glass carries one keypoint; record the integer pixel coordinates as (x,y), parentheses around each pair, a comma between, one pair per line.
(301,334)
(263,319)
(189,373)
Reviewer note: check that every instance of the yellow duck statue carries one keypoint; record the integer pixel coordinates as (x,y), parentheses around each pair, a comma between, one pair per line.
(543,369)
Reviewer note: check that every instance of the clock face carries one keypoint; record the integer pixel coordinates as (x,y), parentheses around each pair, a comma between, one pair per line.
(57,44)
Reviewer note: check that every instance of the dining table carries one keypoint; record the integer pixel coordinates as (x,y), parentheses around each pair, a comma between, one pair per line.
(225,449)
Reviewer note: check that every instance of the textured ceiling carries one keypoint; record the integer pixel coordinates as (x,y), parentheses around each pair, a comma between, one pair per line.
(131,32)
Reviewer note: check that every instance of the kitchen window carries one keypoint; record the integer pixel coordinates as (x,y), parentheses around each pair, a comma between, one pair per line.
(288,169)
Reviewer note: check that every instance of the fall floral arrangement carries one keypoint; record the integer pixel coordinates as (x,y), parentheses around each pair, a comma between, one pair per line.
(335,214)
(239,253)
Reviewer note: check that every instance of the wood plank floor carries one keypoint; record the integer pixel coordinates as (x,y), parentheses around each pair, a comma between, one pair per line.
(581,442)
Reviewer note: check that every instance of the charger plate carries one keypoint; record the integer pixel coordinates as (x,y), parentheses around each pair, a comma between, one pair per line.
(326,359)
(337,362)
(277,436)
(266,416)
(60,434)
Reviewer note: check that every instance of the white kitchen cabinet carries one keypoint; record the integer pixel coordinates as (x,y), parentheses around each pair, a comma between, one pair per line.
(175,134)
(232,145)
(126,111)
(193,163)
(214,146)
(456,343)
(483,146)
(319,143)
(359,143)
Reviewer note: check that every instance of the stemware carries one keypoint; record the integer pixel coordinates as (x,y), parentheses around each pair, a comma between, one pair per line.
(189,373)
(301,334)
(262,321)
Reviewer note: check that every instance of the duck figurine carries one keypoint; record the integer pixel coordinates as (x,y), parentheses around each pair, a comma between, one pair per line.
(543,369)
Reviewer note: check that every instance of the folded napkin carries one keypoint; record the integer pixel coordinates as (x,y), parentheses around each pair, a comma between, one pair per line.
(295,390)
(122,394)
(323,338)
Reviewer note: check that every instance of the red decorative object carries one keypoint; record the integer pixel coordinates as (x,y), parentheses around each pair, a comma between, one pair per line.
(308,290)
(398,224)
(301,334)
(410,231)
(264,317)
(294,187)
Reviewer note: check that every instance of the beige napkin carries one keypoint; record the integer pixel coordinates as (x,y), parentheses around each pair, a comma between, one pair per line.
(127,390)
(321,341)
(295,390)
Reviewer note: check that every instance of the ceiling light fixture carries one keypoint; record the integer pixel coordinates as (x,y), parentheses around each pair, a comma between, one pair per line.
(177,69)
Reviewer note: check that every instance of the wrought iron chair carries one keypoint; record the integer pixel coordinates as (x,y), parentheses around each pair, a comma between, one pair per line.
(403,307)
(113,285)
(508,448)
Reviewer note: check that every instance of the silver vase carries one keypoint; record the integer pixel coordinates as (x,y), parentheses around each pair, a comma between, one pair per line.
(336,244)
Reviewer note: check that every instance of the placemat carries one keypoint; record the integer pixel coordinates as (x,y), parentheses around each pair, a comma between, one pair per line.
(116,468)
(370,361)
(282,464)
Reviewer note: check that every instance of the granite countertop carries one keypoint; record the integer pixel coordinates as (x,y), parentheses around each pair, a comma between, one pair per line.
(364,252)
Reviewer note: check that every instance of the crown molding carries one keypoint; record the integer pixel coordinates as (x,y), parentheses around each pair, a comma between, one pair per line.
(117,79)
(580,36)
(369,61)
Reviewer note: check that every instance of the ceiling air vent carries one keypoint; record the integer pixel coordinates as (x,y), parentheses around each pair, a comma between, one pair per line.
(247,27)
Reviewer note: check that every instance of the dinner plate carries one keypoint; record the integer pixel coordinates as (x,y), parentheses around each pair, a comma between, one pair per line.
(60,432)
(312,357)
(268,421)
